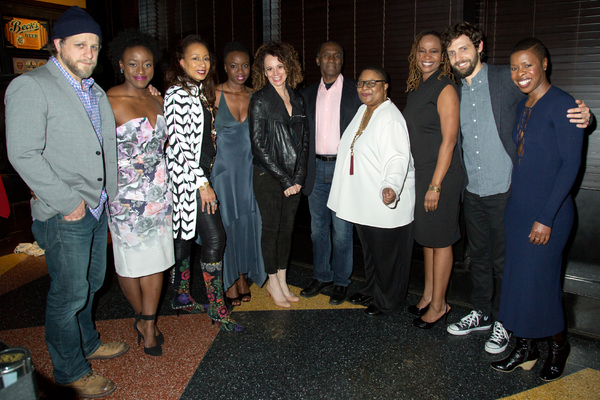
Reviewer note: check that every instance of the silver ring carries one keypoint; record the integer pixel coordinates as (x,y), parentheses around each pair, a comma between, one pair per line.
(536,238)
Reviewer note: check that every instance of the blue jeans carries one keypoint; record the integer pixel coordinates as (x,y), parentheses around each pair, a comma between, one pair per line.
(323,238)
(76,259)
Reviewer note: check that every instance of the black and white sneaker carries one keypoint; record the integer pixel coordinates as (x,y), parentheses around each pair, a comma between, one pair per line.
(475,321)
(499,339)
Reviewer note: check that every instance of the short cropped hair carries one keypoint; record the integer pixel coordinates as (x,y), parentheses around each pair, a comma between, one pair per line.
(379,71)
(234,46)
(332,42)
(533,44)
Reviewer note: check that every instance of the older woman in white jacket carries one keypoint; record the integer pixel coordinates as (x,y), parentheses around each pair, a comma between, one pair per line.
(374,187)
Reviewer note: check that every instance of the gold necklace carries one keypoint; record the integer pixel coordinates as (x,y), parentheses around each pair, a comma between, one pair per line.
(359,132)
(234,92)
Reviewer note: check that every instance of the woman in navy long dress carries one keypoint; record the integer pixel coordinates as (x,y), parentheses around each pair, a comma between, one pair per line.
(539,214)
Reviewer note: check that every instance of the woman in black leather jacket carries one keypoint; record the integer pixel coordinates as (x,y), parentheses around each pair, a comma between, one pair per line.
(279,137)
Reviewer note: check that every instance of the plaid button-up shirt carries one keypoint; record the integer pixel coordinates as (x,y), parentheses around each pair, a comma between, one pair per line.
(90,103)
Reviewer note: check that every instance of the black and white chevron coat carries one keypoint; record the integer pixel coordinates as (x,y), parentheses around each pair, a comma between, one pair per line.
(185,126)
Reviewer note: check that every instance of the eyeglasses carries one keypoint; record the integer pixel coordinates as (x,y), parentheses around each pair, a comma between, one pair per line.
(369,84)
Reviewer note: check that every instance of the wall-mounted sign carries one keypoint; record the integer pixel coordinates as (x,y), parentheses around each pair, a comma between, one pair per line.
(22,33)
(80,3)
(26,64)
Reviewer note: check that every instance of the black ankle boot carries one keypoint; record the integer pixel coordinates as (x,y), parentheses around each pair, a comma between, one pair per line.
(558,354)
(524,355)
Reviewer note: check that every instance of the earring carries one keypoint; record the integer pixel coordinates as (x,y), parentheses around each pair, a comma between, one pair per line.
(121,70)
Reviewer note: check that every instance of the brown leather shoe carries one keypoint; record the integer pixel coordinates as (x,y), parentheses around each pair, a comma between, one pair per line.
(92,386)
(109,350)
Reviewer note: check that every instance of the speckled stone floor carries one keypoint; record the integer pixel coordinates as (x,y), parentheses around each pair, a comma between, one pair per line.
(311,351)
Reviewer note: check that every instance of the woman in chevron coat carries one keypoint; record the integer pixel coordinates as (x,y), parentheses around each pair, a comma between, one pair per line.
(188,111)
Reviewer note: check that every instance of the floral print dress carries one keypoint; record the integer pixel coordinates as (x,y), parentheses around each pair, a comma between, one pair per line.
(141,214)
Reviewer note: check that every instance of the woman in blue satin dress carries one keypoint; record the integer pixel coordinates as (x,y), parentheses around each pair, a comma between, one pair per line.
(232,179)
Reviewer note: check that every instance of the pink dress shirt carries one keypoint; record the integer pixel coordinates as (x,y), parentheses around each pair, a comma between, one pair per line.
(327,117)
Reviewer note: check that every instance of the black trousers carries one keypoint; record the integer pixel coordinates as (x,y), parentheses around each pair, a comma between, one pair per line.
(277,213)
(212,234)
(387,254)
(484,217)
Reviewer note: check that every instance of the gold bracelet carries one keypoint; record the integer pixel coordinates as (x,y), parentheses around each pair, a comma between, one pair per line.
(435,188)
(203,187)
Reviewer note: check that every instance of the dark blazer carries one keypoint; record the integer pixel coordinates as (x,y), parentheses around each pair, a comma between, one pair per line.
(348,107)
(504,96)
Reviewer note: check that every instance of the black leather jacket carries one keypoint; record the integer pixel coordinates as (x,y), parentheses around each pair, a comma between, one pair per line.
(279,142)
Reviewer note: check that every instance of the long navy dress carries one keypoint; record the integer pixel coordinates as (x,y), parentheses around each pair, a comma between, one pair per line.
(231,178)
(543,175)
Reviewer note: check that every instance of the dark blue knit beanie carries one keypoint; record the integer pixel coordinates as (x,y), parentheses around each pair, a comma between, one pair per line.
(73,22)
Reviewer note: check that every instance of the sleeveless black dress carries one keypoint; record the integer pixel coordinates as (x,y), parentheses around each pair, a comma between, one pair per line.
(437,228)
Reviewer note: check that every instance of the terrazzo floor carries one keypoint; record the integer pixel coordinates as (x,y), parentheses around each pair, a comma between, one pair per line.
(311,351)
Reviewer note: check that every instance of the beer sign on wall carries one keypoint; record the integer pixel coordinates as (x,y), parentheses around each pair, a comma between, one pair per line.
(26,64)
(26,34)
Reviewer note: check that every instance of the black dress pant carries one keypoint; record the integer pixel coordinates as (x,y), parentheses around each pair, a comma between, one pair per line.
(278,213)
(387,254)
(212,234)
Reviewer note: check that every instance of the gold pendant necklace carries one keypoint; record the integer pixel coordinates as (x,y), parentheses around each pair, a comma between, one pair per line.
(361,128)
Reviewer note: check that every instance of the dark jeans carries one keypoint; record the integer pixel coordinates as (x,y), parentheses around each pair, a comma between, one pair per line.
(328,231)
(387,254)
(76,258)
(484,217)
(278,213)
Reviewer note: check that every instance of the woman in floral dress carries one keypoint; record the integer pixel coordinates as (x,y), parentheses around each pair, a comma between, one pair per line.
(140,216)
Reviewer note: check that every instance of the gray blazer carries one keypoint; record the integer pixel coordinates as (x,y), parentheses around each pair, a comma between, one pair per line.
(52,144)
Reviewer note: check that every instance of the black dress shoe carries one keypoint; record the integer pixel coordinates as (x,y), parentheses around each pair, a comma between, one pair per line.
(414,310)
(360,299)
(373,311)
(314,288)
(339,295)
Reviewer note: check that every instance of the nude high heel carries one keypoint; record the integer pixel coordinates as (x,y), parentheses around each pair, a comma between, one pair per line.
(289,296)
(284,303)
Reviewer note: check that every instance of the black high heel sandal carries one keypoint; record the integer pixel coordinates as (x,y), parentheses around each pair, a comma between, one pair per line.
(419,323)
(414,310)
(152,351)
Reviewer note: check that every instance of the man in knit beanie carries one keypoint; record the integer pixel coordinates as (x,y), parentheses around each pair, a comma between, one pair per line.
(60,134)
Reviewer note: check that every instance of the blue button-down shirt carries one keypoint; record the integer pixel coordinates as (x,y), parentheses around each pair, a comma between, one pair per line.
(90,103)
(488,166)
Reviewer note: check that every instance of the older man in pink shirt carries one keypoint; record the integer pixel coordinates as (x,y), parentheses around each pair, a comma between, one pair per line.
(330,106)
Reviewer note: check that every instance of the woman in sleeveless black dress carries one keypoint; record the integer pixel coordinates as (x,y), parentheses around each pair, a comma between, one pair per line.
(432,114)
